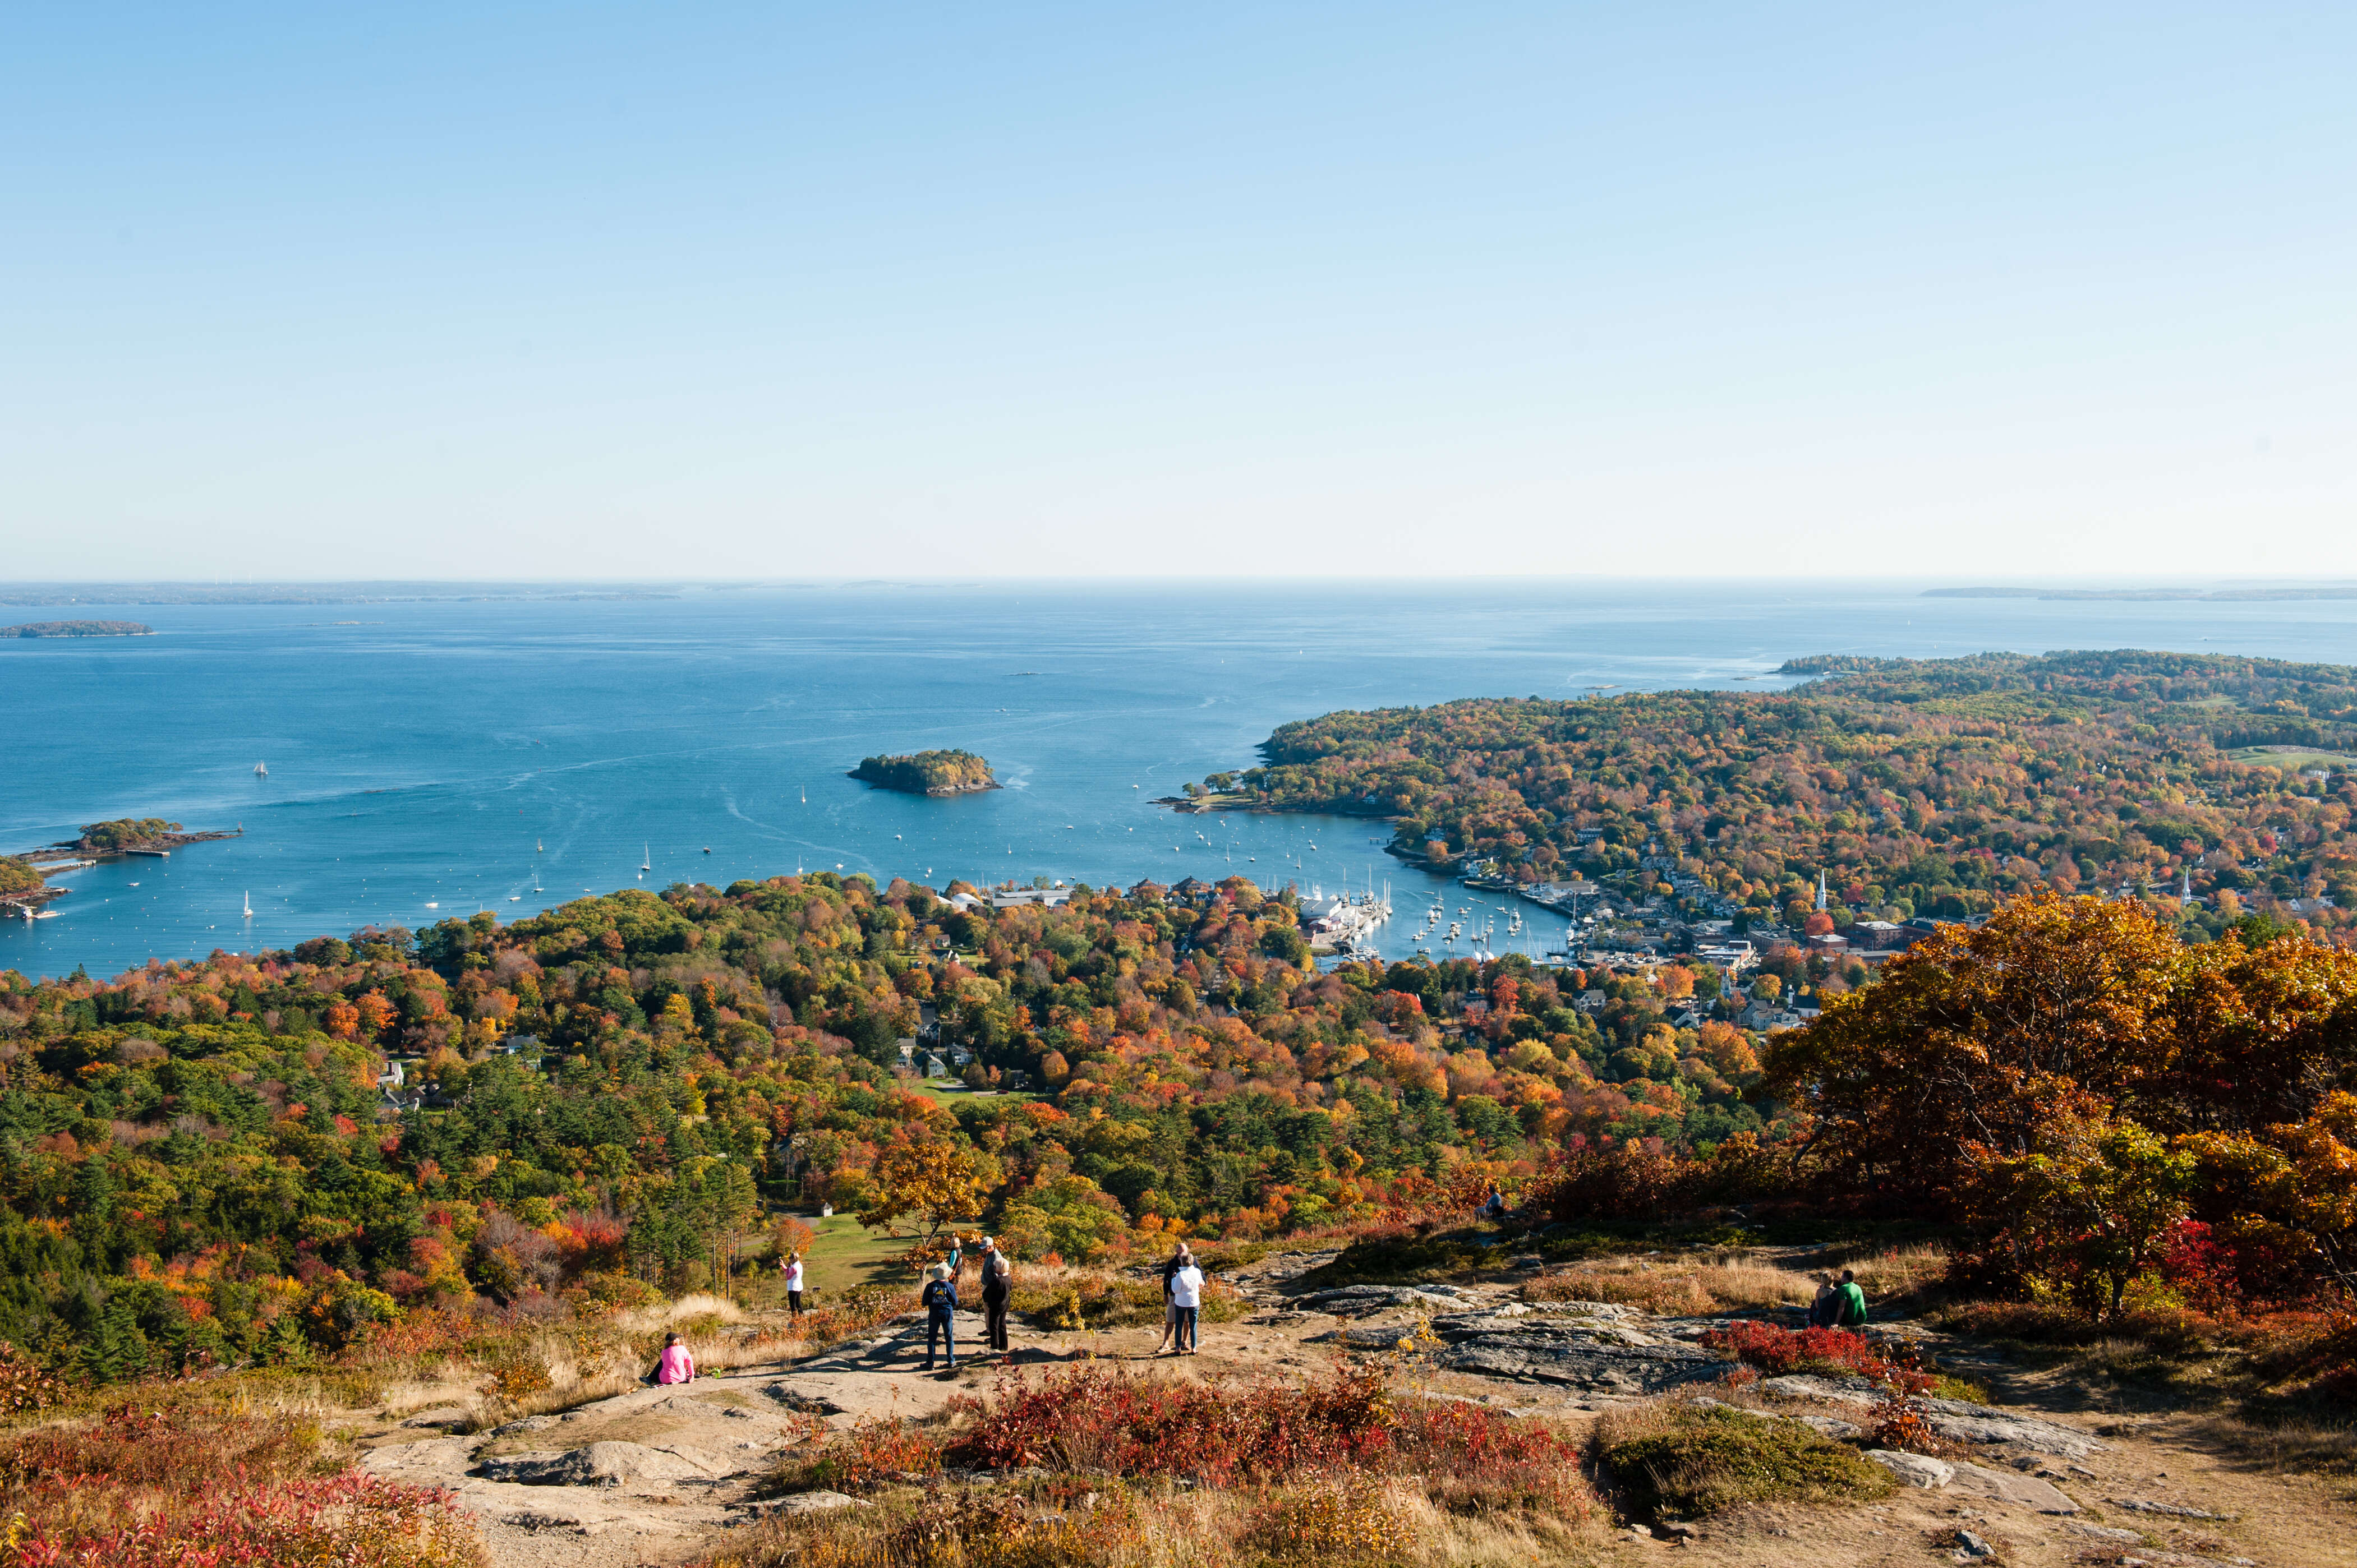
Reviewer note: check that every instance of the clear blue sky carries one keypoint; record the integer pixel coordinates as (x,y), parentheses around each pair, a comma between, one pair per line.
(590,290)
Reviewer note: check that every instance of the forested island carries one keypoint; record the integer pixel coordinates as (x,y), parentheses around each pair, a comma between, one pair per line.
(928,773)
(79,628)
(1920,787)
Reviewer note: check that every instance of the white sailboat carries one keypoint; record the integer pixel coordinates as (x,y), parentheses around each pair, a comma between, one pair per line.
(249,906)
(646,857)
(261,770)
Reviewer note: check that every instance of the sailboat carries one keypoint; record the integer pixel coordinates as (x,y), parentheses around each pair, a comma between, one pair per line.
(537,848)
(261,770)
(249,906)
(646,857)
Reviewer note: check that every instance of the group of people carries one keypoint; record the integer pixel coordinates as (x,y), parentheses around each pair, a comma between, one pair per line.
(939,1298)
(1182,1301)
(1182,1297)
(1840,1304)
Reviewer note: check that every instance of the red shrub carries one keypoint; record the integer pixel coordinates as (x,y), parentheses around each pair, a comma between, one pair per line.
(1218,1434)
(1779,1350)
(151,1488)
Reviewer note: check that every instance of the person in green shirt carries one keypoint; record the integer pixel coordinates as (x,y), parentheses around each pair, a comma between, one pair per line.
(1849,1303)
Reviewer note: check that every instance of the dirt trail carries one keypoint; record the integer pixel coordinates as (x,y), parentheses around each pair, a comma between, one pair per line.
(654,1476)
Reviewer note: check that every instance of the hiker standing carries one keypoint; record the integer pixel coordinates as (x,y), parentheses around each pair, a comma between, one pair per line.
(957,1256)
(1186,1302)
(793,1269)
(995,1288)
(940,1300)
(1180,1258)
(1849,1305)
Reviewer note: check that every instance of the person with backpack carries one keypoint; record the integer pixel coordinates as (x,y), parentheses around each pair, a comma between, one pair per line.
(997,1286)
(1849,1305)
(940,1300)
(1186,1303)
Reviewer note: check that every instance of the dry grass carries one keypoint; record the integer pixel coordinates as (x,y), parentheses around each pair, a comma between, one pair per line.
(1901,1270)
(1683,1287)
(1353,1522)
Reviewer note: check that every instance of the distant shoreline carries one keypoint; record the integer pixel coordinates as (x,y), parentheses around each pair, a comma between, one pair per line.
(2150,596)
(79,628)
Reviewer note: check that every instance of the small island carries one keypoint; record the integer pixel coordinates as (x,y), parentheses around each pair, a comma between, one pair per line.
(134,835)
(79,628)
(928,773)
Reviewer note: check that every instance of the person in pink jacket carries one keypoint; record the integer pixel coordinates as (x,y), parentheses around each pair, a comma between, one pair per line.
(674,1365)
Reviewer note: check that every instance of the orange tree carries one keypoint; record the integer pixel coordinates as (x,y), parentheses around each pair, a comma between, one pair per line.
(2071,1081)
(926,1181)
(1974,1041)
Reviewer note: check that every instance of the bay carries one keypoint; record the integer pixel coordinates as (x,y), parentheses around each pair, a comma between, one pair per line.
(430,760)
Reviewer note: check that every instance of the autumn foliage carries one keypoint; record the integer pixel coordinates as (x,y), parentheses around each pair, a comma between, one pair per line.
(2078,1086)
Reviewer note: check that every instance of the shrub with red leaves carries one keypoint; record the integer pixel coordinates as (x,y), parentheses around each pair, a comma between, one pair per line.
(1779,1350)
(154,1489)
(1221,1434)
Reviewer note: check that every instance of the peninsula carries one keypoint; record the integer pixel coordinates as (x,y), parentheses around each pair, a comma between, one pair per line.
(79,628)
(928,773)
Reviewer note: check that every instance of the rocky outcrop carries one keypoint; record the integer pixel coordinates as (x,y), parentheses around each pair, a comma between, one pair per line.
(1580,1352)
(598,1464)
(1366,1300)
(1960,1421)
(1913,1469)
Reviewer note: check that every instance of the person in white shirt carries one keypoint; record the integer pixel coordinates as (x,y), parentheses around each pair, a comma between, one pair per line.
(793,1269)
(1186,1302)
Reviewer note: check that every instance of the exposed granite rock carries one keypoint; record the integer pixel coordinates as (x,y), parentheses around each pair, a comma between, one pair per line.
(1960,1421)
(2021,1491)
(1365,1301)
(1913,1469)
(598,1464)
(1580,1353)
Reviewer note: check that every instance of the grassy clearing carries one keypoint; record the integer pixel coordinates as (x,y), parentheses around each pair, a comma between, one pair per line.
(1405,1254)
(1671,1459)
(2291,757)
(1675,1288)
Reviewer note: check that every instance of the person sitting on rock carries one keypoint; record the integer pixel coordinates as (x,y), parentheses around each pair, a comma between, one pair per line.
(1849,1304)
(1827,1307)
(674,1365)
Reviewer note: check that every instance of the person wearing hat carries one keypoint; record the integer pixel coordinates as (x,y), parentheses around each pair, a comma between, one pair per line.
(939,1298)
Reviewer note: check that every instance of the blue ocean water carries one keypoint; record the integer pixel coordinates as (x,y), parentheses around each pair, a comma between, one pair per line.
(434,759)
